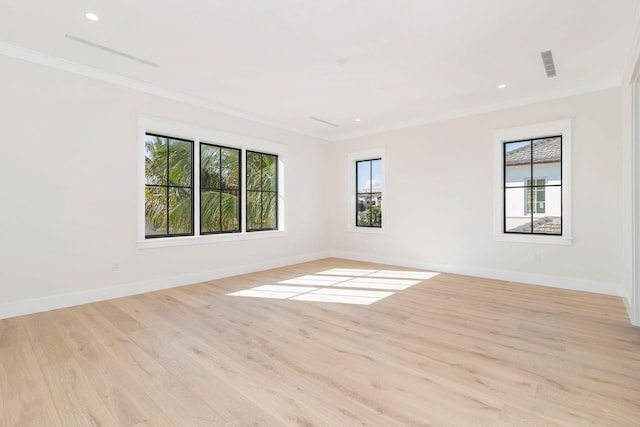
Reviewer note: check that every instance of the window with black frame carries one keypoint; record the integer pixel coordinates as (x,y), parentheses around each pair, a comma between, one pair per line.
(168,186)
(369,193)
(219,189)
(532,171)
(261,191)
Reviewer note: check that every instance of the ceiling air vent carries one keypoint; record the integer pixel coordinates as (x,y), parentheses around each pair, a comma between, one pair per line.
(549,66)
(109,50)
(324,121)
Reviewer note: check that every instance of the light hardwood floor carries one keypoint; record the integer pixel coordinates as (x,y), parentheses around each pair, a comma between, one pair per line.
(447,351)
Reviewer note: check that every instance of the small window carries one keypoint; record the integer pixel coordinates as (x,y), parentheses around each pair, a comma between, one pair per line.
(533,186)
(262,191)
(219,189)
(168,186)
(369,193)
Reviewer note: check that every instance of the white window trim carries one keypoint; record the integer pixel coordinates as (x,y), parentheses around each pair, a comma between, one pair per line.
(157,125)
(352,158)
(538,130)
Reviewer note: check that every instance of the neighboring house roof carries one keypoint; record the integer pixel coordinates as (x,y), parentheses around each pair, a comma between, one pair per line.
(544,151)
(546,225)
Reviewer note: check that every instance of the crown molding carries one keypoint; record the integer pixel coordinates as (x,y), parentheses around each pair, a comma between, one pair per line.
(116,79)
(457,114)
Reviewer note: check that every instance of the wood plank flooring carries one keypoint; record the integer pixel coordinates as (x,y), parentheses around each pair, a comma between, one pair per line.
(446,351)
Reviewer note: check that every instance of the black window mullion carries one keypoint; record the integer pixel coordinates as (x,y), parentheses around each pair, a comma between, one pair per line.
(261,192)
(200,186)
(166,192)
(504,187)
(531,188)
(561,189)
(192,188)
(220,188)
(357,194)
(166,197)
(370,192)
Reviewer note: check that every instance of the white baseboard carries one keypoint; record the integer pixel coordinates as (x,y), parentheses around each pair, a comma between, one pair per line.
(627,305)
(606,288)
(53,302)
(633,316)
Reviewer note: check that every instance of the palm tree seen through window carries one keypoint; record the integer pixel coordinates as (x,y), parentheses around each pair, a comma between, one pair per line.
(168,186)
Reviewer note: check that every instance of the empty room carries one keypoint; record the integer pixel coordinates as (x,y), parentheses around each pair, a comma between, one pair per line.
(320,213)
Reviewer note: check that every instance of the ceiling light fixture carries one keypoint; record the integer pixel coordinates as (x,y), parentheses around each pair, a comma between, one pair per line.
(357,120)
(92,16)
(502,86)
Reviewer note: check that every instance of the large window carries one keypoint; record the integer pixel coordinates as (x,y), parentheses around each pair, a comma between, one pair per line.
(533,183)
(168,186)
(369,193)
(533,186)
(219,189)
(194,190)
(262,191)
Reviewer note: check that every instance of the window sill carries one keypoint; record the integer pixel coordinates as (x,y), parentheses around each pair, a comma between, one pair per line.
(164,242)
(537,239)
(371,230)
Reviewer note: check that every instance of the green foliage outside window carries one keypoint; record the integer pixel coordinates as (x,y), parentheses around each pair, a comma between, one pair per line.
(219,189)
(262,191)
(169,188)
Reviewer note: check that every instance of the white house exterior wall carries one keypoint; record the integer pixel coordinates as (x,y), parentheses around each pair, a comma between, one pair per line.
(515,200)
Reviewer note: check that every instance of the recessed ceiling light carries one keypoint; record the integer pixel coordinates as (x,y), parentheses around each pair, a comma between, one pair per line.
(357,120)
(92,16)
(502,86)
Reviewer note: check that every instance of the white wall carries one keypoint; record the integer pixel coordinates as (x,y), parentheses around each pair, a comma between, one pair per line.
(439,198)
(68,168)
(69,205)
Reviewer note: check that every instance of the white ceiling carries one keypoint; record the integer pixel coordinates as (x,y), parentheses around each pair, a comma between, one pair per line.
(388,63)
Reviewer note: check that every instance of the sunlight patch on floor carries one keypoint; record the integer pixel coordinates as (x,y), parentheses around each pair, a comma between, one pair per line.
(340,285)
(347,272)
(316,280)
(375,283)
